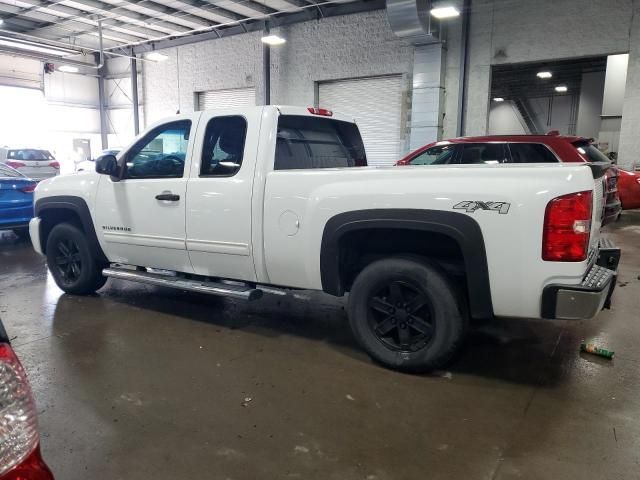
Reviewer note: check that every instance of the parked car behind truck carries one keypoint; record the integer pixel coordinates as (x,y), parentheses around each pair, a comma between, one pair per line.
(550,148)
(16,201)
(32,162)
(232,201)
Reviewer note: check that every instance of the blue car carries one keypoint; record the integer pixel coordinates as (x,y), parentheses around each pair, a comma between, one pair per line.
(16,200)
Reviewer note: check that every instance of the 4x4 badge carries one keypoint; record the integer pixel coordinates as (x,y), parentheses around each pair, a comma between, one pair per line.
(471,206)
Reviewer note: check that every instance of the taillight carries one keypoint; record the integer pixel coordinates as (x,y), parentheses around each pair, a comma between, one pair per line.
(18,423)
(54,164)
(567,227)
(29,188)
(14,164)
(320,111)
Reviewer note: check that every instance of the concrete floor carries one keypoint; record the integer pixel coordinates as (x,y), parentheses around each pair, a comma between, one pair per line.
(147,383)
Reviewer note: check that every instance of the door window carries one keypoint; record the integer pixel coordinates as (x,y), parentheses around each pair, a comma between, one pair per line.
(531,153)
(438,155)
(223,147)
(161,153)
(482,153)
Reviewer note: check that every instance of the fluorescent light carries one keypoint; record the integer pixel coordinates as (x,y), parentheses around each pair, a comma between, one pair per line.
(1,21)
(36,47)
(498,99)
(273,40)
(561,88)
(445,12)
(68,69)
(156,57)
(544,74)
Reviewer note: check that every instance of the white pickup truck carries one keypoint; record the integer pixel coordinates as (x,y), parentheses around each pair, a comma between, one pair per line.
(245,201)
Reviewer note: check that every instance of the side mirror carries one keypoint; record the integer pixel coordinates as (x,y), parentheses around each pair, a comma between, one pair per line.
(108,165)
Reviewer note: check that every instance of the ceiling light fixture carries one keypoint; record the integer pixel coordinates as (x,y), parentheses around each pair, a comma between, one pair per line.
(561,88)
(273,40)
(498,99)
(36,47)
(1,21)
(156,57)
(68,69)
(445,12)
(544,74)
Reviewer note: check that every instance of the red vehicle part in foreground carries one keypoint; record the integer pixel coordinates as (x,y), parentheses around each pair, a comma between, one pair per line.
(517,149)
(20,457)
(629,189)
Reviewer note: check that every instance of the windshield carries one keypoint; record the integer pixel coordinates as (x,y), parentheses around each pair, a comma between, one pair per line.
(438,155)
(29,154)
(8,172)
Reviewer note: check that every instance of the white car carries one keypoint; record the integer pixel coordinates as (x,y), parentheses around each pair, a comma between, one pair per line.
(34,163)
(243,201)
(90,164)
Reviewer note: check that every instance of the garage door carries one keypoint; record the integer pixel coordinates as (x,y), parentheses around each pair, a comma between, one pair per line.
(376,104)
(20,72)
(235,97)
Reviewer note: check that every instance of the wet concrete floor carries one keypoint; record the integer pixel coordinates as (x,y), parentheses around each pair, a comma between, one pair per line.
(148,383)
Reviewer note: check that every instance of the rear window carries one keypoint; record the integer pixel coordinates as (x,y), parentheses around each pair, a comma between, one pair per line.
(29,154)
(531,153)
(9,172)
(309,142)
(590,151)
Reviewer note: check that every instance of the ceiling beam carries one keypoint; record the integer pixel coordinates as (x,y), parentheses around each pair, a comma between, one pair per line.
(203,9)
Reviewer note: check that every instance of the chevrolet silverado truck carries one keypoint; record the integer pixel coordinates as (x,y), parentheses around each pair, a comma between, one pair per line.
(265,199)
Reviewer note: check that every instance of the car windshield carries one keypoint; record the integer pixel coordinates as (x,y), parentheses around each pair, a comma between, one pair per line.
(590,151)
(29,154)
(8,172)
(438,155)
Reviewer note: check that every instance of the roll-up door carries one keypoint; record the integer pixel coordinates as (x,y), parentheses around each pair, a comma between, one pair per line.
(230,98)
(376,105)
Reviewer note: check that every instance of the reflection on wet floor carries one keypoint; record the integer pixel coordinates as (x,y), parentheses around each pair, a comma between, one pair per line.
(143,382)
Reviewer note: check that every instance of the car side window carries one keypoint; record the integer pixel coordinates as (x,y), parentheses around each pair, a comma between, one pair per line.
(474,153)
(161,153)
(223,147)
(437,155)
(531,153)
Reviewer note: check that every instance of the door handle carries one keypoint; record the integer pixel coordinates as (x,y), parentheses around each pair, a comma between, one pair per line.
(171,197)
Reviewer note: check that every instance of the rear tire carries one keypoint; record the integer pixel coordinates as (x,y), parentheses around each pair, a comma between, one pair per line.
(406,314)
(71,261)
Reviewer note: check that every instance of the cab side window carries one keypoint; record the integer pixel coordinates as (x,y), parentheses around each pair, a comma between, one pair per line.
(438,155)
(161,153)
(223,148)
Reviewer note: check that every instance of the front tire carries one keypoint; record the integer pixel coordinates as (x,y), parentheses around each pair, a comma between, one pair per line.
(71,262)
(405,314)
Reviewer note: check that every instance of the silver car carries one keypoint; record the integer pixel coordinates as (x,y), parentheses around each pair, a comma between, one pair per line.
(34,163)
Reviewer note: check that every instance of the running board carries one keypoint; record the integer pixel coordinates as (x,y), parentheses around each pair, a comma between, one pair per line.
(239,291)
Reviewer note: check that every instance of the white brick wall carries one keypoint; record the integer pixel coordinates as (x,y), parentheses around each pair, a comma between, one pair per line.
(348,46)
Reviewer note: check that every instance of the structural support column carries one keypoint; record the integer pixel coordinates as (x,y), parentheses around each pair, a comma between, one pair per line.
(134,94)
(104,127)
(427,98)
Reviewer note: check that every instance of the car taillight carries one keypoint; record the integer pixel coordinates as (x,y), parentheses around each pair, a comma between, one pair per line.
(567,227)
(320,111)
(29,188)
(14,164)
(18,423)
(54,164)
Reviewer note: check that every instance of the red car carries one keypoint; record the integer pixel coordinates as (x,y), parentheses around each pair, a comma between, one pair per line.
(629,189)
(20,457)
(519,149)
